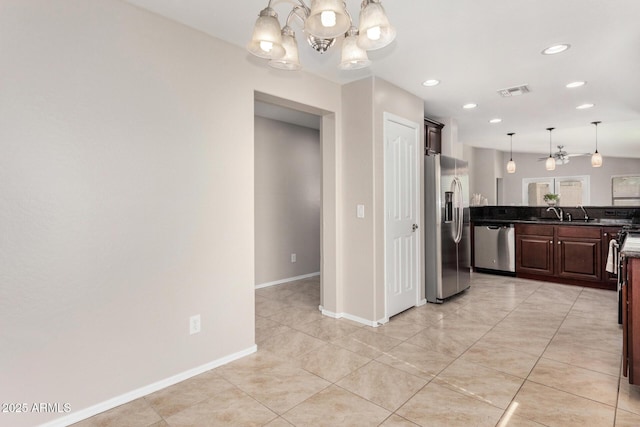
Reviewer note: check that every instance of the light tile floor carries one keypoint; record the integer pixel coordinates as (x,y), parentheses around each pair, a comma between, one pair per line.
(507,352)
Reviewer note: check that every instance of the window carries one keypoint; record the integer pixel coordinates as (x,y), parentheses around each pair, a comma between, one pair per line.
(625,190)
(573,190)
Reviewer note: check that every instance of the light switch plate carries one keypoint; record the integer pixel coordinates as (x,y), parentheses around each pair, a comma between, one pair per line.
(360,211)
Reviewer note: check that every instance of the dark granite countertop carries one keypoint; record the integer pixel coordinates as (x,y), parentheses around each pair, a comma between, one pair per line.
(597,222)
(599,216)
(631,246)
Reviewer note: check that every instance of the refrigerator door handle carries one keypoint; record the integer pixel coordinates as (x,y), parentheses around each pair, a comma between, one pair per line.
(459,209)
(460,192)
(454,209)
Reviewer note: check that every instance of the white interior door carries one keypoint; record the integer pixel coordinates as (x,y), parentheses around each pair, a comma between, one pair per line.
(402,208)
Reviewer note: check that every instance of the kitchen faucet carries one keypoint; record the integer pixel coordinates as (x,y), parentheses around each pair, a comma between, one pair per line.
(586,217)
(560,215)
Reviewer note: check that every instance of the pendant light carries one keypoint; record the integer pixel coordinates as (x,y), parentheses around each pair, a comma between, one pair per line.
(551,162)
(511,166)
(596,158)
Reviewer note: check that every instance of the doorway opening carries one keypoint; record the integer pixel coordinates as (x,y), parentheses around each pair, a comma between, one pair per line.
(290,216)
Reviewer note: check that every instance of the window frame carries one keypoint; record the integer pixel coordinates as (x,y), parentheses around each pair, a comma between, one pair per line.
(613,198)
(553,184)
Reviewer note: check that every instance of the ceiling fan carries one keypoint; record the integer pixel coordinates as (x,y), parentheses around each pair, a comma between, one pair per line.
(562,157)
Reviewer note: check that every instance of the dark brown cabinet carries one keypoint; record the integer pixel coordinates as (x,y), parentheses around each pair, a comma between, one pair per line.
(579,254)
(432,136)
(631,320)
(534,249)
(572,254)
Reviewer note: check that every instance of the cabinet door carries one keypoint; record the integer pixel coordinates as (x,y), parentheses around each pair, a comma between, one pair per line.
(433,137)
(579,258)
(534,254)
(632,321)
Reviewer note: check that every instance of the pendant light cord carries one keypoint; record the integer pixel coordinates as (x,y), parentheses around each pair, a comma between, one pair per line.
(596,125)
(511,147)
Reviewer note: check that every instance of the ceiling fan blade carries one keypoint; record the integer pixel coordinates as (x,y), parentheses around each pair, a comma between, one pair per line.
(578,154)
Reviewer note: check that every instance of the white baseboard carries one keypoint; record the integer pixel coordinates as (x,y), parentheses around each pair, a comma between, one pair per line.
(143,391)
(383,321)
(349,317)
(289,279)
(360,319)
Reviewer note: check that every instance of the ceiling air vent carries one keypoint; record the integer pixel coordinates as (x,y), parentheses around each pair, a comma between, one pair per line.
(514,91)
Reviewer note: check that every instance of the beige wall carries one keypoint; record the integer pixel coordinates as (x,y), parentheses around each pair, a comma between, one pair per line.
(364,105)
(127,188)
(357,188)
(485,169)
(287,200)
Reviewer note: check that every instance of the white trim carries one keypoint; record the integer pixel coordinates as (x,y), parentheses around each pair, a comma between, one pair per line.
(143,391)
(421,302)
(349,317)
(290,279)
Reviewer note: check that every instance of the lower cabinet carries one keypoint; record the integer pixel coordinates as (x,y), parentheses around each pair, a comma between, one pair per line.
(564,253)
(579,254)
(534,249)
(631,320)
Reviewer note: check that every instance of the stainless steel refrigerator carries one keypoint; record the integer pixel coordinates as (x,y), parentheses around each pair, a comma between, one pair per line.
(447,234)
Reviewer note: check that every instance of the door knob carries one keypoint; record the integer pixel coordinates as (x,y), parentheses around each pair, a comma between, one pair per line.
(414,227)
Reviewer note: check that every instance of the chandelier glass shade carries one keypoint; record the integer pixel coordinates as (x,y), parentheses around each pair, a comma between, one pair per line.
(375,30)
(290,59)
(266,41)
(324,22)
(353,57)
(551,162)
(511,166)
(327,19)
(596,158)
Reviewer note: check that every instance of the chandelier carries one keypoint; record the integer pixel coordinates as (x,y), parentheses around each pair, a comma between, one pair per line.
(323,23)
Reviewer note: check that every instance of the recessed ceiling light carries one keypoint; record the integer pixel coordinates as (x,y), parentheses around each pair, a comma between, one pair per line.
(496,120)
(558,48)
(584,106)
(431,82)
(576,84)
(469,106)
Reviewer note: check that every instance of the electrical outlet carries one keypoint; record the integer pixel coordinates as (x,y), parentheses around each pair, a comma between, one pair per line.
(293,257)
(194,324)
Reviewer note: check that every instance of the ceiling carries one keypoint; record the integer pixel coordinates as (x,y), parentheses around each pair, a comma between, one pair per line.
(475,48)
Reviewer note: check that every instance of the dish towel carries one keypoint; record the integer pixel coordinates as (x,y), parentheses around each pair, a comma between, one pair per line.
(612,260)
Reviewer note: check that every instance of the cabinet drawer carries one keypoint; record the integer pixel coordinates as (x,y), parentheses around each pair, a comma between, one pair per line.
(534,229)
(578,231)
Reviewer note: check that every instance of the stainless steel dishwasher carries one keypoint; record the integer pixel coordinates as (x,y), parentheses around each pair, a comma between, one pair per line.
(494,247)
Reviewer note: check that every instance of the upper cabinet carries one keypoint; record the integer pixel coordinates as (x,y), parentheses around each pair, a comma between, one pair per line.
(432,136)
